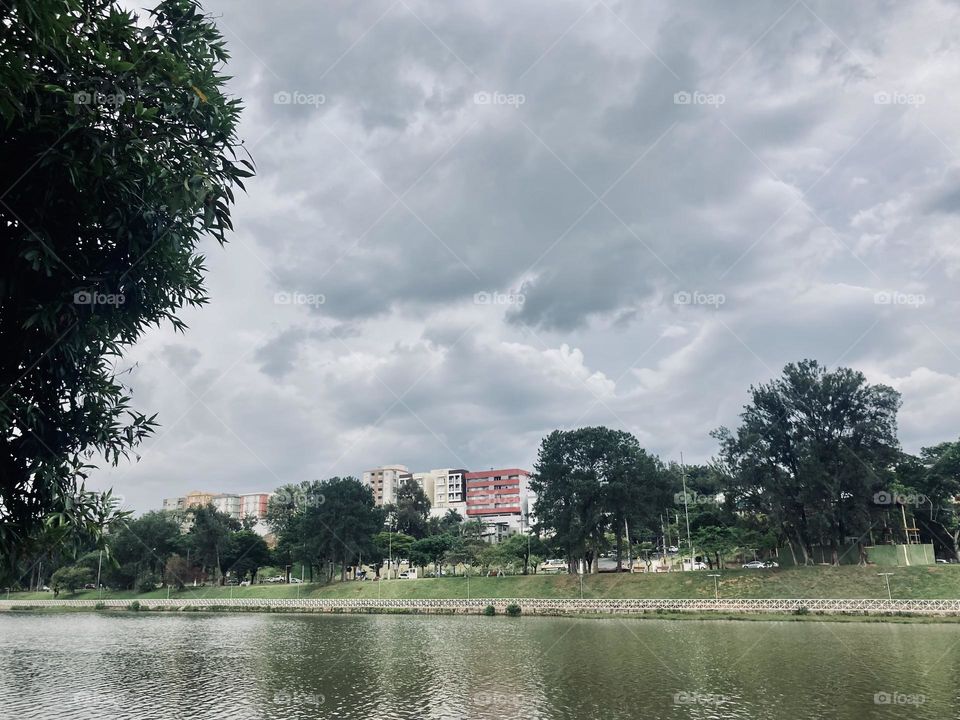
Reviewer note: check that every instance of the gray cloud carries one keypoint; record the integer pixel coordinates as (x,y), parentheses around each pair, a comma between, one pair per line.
(811,175)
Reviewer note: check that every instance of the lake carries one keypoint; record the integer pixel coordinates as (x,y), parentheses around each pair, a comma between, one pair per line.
(89,665)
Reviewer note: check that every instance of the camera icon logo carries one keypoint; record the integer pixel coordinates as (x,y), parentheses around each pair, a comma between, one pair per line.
(282,98)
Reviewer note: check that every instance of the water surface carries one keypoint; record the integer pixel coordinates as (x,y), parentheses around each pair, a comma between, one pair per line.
(99,666)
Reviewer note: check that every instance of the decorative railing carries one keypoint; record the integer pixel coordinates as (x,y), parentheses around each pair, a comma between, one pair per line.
(543,606)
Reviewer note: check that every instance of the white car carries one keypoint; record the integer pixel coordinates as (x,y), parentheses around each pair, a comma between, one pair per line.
(755,565)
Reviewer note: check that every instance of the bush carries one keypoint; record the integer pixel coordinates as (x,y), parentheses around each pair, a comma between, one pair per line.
(134,606)
(513,610)
(489,610)
(802,611)
(147,583)
(100,606)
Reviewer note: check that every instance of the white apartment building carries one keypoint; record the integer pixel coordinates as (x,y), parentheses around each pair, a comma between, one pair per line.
(227,503)
(383,481)
(450,491)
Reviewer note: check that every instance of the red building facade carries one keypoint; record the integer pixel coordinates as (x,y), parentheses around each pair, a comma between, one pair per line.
(496,492)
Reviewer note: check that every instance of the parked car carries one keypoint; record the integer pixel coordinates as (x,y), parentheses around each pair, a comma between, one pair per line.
(696,566)
(771,564)
(754,565)
(406,575)
(232,581)
(89,586)
(245,583)
(673,549)
(275,579)
(556,566)
(295,580)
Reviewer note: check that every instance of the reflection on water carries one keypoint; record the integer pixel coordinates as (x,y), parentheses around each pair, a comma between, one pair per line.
(88,666)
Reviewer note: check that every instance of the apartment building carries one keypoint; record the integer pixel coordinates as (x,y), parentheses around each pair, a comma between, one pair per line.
(450,491)
(227,503)
(174,503)
(383,482)
(501,499)
(254,505)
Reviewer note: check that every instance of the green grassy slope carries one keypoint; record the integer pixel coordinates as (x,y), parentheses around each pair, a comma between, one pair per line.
(942,581)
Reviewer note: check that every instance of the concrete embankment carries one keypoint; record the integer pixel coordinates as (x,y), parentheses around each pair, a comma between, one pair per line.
(528,606)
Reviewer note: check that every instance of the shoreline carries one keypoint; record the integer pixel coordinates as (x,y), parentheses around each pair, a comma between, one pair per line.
(775,610)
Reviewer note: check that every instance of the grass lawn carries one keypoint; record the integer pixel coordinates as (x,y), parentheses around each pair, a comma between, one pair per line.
(928,582)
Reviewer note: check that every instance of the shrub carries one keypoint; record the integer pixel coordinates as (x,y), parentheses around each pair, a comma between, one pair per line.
(134,606)
(100,606)
(489,610)
(802,611)
(513,610)
(147,583)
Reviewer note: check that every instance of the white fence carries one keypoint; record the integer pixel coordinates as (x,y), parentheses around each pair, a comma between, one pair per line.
(530,606)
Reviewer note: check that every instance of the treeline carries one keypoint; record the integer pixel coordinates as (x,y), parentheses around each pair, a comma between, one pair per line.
(814,470)
(815,464)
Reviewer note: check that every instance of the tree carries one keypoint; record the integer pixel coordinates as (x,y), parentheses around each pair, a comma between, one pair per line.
(811,449)
(411,509)
(178,572)
(209,537)
(72,577)
(338,529)
(119,156)
(933,480)
(590,480)
(246,552)
(430,549)
(393,545)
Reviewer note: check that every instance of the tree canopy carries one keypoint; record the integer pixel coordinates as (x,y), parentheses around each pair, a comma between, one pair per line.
(119,155)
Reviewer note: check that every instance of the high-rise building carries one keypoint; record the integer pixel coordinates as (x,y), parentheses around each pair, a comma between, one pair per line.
(383,482)
(254,505)
(174,503)
(227,503)
(198,498)
(450,490)
(501,499)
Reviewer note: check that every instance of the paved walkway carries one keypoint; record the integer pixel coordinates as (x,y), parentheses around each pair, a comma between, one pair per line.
(531,606)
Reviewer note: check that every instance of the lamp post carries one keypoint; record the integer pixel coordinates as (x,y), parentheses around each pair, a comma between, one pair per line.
(886,576)
(716,586)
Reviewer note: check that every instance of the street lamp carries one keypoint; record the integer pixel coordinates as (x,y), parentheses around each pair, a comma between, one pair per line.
(716,586)
(886,576)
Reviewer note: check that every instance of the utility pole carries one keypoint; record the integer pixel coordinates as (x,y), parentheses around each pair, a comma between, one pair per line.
(686,511)
(886,576)
(716,586)
(99,564)
(626,529)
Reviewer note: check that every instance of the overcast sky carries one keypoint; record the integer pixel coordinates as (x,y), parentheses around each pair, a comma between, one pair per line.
(476,222)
